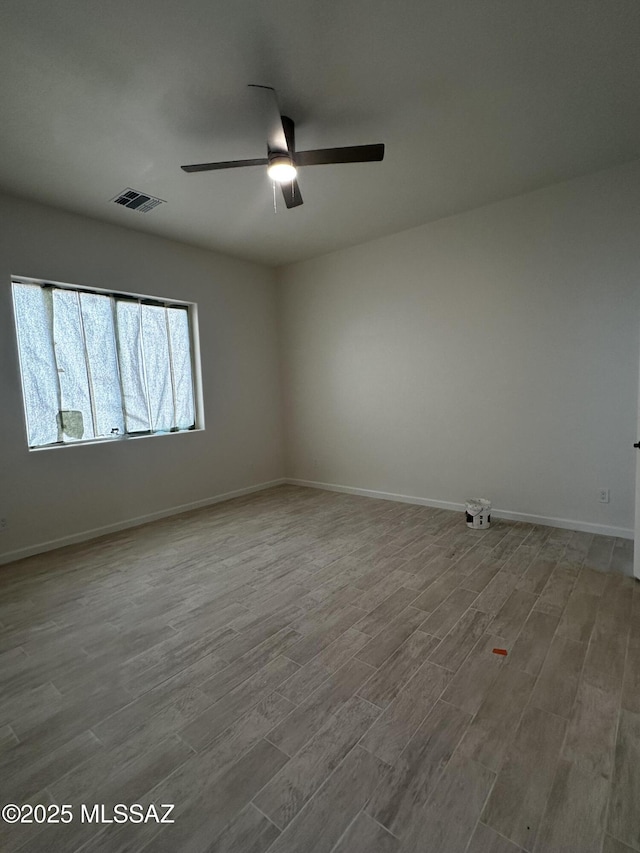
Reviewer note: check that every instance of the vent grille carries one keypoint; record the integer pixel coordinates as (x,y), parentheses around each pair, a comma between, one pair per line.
(142,202)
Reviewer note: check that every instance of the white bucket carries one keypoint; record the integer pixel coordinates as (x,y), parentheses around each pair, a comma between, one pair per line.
(478,513)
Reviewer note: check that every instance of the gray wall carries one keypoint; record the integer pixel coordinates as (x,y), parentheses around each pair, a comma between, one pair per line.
(67,492)
(493,353)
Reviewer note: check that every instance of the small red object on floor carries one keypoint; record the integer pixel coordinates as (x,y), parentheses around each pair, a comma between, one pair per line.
(499,651)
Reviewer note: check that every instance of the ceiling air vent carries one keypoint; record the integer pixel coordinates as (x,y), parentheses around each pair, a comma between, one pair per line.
(141,202)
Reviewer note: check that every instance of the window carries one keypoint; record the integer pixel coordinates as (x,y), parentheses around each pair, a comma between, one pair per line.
(99,365)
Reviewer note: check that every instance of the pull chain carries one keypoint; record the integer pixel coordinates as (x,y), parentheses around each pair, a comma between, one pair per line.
(275,209)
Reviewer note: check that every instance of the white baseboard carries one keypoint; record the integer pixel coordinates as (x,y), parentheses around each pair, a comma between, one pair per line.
(548,521)
(85,535)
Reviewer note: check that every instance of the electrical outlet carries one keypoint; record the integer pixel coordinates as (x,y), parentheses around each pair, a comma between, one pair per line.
(603,496)
(3,525)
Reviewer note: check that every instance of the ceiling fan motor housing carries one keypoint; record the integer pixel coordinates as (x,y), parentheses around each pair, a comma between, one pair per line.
(282,167)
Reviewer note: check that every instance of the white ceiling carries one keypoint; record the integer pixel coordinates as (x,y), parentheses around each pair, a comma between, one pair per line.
(476,100)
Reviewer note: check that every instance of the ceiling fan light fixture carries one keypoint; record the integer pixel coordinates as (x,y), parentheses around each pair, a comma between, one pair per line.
(281,169)
(283,158)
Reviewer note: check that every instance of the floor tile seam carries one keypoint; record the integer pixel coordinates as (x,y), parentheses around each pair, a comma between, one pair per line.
(376,670)
(324,680)
(134,699)
(560,615)
(433,702)
(264,814)
(629,619)
(202,711)
(459,559)
(581,680)
(631,846)
(524,621)
(391,594)
(23,846)
(480,822)
(439,772)
(375,707)
(537,676)
(613,547)
(385,628)
(484,633)
(357,693)
(573,585)
(530,705)
(415,731)
(540,671)
(530,562)
(368,729)
(589,643)
(607,816)
(547,711)
(454,755)
(375,820)
(324,784)
(481,811)
(315,657)
(502,559)
(174,674)
(80,763)
(527,706)
(140,798)
(180,628)
(241,753)
(122,767)
(11,729)
(543,813)
(130,660)
(365,810)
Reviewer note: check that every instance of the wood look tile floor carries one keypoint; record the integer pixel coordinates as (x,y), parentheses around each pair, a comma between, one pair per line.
(305,672)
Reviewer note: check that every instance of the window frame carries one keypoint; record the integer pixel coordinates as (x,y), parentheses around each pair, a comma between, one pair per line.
(141,298)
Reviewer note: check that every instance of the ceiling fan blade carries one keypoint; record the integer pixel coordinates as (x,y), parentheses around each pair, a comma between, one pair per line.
(276,135)
(289,127)
(350,154)
(291,193)
(225,164)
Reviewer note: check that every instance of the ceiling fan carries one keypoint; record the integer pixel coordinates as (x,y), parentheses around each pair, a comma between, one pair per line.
(282,160)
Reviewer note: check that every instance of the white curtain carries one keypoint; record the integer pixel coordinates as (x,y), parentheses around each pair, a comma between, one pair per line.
(178,324)
(95,365)
(155,344)
(73,378)
(102,359)
(37,363)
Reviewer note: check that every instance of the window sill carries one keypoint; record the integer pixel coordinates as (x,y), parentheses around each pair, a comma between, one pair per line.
(108,439)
